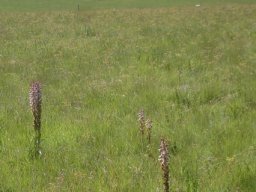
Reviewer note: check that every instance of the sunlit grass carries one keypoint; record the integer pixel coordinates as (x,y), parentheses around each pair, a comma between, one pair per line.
(191,69)
(74,5)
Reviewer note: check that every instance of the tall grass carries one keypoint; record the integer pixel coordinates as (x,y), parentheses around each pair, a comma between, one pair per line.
(72,5)
(192,70)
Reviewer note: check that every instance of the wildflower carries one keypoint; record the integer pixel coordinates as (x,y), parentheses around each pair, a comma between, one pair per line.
(35,100)
(148,125)
(141,119)
(163,159)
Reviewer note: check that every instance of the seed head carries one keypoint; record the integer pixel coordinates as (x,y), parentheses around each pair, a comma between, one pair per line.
(148,125)
(163,158)
(141,119)
(35,98)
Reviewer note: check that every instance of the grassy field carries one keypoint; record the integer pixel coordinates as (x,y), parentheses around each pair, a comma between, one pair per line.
(192,70)
(53,5)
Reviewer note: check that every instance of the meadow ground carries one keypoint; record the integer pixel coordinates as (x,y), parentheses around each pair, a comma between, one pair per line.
(192,70)
(53,5)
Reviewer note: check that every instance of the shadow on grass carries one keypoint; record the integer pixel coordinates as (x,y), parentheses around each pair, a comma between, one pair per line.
(248,184)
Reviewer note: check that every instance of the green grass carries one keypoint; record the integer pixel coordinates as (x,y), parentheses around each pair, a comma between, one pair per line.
(191,69)
(46,5)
